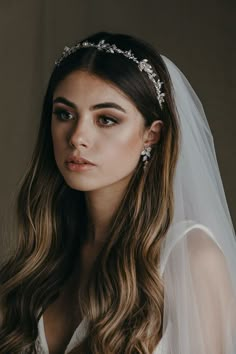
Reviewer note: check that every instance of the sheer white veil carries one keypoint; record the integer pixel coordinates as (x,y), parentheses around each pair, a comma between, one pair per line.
(198,256)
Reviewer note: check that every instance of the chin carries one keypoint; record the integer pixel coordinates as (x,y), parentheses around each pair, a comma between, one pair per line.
(83,187)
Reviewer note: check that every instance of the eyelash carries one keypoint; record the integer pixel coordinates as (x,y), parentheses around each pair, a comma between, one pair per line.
(59,112)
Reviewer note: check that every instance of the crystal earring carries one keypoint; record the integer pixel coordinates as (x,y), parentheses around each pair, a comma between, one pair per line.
(146,153)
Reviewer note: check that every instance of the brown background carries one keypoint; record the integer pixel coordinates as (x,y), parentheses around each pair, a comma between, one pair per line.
(199,36)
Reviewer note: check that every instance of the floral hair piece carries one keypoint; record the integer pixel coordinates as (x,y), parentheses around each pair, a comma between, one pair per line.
(143,64)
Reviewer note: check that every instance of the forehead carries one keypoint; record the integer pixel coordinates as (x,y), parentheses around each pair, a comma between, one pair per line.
(83,87)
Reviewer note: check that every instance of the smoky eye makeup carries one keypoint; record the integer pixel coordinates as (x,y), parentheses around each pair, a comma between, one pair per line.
(106,114)
(62,113)
(103,119)
(107,121)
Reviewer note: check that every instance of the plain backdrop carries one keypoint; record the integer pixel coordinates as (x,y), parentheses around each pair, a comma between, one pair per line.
(199,36)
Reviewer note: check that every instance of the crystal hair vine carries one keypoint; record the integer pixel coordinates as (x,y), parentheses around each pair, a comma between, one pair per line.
(143,64)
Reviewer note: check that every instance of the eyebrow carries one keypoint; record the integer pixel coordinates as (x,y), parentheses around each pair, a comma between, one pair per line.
(92,108)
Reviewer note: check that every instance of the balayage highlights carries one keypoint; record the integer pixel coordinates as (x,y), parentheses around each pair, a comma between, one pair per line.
(124,298)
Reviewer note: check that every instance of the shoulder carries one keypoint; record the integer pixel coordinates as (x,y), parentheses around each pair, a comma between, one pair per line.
(195,248)
(204,251)
(208,266)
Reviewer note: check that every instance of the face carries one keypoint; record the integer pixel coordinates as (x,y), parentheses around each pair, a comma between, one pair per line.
(94,120)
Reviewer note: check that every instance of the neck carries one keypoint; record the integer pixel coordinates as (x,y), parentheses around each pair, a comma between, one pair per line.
(101,206)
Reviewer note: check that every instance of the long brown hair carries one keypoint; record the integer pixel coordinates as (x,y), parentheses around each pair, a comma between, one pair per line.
(124,297)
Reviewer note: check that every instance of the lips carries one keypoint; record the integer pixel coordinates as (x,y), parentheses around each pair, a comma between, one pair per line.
(79,161)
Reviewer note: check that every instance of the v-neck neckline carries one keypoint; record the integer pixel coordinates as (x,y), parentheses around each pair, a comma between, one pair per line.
(75,338)
(80,333)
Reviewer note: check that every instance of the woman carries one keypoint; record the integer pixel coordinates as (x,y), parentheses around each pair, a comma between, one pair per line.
(125,240)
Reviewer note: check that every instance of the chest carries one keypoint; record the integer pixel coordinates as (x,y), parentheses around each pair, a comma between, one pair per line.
(60,322)
(63,316)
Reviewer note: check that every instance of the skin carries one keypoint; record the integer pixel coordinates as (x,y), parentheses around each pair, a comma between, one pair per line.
(114,148)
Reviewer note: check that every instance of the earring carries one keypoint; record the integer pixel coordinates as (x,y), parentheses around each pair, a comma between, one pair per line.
(146,153)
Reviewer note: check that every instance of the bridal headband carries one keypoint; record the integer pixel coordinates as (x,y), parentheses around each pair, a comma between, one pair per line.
(143,64)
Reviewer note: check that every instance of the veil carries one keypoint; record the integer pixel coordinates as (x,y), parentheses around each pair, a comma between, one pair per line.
(198,255)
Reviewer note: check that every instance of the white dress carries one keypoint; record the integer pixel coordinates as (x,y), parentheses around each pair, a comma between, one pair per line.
(200,296)
(79,334)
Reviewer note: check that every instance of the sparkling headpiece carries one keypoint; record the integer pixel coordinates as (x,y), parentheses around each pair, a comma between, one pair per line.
(143,65)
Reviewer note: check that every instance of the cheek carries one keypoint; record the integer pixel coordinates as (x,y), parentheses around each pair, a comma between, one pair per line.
(125,149)
(58,137)
(58,142)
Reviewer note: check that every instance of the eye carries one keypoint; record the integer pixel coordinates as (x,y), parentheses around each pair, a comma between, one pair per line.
(106,119)
(62,114)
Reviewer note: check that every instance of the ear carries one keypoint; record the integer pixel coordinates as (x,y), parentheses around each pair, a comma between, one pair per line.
(153,133)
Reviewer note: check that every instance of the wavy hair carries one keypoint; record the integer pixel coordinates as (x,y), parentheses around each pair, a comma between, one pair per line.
(125,294)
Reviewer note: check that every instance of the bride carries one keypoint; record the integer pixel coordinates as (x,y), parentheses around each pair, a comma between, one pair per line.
(124,242)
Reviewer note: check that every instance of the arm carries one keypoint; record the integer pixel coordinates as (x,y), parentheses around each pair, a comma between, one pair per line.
(200,303)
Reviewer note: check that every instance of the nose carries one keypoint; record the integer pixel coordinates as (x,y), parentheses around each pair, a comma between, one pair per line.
(80,134)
